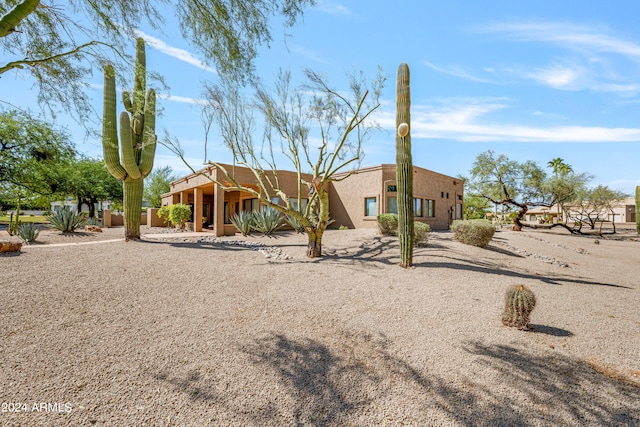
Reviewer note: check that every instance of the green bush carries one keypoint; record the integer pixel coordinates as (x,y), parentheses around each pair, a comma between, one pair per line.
(388,224)
(66,220)
(475,232)
(420,233)
(243,221)
(343,227)
(163,213)
(175,215)
(267,220)
(179,214)
(28,232)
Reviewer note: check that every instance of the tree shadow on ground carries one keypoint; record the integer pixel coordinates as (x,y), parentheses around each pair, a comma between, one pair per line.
(334,386)
(356,378)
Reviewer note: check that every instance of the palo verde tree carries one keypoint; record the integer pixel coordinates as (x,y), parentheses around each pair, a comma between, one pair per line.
(593,206)
(313,130)
(506,182)
(57,44)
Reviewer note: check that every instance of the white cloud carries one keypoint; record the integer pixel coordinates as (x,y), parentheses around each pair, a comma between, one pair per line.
(175,52)
(456,72)
(570,36)
(310,55)
(595,60)
(333,8)
(184,99)
(464,120)
(556,76)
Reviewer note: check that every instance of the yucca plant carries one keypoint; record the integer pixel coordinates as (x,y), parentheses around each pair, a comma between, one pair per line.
(267,220)
(66,220)
(28,232)
(243,221)
(518,303)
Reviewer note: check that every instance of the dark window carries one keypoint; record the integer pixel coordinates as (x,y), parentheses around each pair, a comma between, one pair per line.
(392,188)
(429,208)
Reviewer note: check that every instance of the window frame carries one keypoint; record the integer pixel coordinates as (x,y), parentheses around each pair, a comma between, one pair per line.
(375,206)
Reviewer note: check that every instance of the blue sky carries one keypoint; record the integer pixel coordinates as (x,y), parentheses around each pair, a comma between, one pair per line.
(531,80)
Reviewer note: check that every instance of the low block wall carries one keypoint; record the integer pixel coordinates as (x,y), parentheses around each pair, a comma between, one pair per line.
(149,218)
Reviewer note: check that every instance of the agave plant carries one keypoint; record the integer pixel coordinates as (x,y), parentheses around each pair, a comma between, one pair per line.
(243,221)
(28,232)
(267,220)
(66,220)
(295,224)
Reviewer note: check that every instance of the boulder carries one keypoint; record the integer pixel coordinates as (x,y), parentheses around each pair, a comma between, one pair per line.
(10,246)
(93,228)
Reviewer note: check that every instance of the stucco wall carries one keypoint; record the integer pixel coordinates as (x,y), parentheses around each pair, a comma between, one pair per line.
(348,197)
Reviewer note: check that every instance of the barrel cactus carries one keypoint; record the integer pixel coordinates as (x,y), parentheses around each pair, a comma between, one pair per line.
(404,166)
(518,304)
(131,158)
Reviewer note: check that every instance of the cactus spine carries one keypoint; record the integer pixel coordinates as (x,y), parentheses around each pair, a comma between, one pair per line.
(131,159)
(638,209)
(404,166)
(518,304)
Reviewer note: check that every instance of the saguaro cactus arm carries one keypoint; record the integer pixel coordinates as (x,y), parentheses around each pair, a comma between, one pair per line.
(10,20)
(149,138)
(109,128)
(127,147)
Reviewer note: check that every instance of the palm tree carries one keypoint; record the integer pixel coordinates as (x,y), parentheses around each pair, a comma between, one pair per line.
(560,169)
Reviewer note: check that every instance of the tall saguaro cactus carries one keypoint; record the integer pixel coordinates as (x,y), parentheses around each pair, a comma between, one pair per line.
(404,166)
(131,159)
(638,209)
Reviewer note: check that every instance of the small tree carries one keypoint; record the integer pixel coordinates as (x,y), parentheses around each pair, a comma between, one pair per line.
(342,124)
(157,183)
(594,205)
(506,182)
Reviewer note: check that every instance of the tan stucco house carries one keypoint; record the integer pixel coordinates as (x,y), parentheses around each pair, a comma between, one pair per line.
(354,202)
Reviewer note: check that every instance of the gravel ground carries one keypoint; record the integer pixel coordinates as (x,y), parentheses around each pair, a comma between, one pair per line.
(177,330)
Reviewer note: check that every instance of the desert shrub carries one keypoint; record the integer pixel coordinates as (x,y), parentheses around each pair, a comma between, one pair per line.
(343,227)
(420,233)
(267,220)
(295,224)
(28,232)
(388,224)
(66,220)
(243,221)
(519,301)
(475,232)
(179,214)
(163,213)
(175,215)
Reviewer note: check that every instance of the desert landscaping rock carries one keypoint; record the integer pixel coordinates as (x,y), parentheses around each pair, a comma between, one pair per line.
(192,330)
